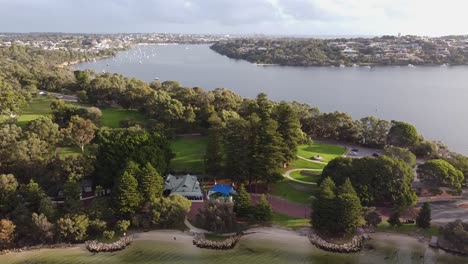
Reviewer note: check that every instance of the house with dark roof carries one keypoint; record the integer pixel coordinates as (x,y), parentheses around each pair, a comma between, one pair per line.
(187,186)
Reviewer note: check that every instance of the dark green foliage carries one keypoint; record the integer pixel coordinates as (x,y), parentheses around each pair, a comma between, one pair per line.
(117,147)
(126,196)
(289,129)
(374,131)
(381,180)
(151,183)
(262,210)
(214,157)
(72,193)
(457,234)
(439,173)
(424,217)
(460,163)
(96,227)
(170,212)
(324,214)
(8,186)
(373,218)
(401,153)
(73,228)
(349,208)
(217,217)
(242,203)
(394,219)
(402,135)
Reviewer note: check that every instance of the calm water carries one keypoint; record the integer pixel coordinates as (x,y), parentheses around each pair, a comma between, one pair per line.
(434,99)
(256,251)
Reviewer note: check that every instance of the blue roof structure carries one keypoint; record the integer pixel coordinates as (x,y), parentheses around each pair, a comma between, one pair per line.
(220,188)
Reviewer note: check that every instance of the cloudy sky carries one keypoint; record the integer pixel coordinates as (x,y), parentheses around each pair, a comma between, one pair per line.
(305,17)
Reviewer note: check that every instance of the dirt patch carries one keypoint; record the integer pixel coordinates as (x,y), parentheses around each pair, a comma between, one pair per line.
(463,205)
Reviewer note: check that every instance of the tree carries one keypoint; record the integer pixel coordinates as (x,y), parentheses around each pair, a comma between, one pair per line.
(394,219)
(349,208)
(72,193)
(438,173)
(374,131)
(324,213)
(373,218)
(126,196)
(43,229)
(170,211)
(9,138)
(237,150)
(151,183)
(242,203)
(289,128)
(10,100)
(45,129)
(8,186)
(73,228)
(214,157)
(401,153)
(460,163)
(217,217)
(81,131)
(402,135)
(263,212)
(7,232)
(424,216)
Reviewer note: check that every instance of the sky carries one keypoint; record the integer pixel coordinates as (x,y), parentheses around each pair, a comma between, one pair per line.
(276,17)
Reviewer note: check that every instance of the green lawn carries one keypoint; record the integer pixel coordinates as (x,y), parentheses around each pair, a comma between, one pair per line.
(36,108)
(285,189)
(111,117)
(190,152)
(326,151)
(290,222)
(304,164)
(408,229)
(299,175)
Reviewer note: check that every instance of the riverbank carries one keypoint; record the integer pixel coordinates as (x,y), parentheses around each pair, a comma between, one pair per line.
(70,63)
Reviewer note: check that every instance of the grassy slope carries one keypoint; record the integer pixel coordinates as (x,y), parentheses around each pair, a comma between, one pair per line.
(307,178)
(326,151)
(190,152)
(284,189)
(111,117)
(290,222)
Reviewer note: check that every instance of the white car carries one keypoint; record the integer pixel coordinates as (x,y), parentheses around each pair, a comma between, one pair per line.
(352,153)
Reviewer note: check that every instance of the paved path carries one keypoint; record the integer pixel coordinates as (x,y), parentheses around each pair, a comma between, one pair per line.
(194,229)
(288,175)
(311,160)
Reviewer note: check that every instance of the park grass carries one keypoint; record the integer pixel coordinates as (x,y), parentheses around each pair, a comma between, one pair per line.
(111,117)
(289,222)
(303,164)
(190,152)
(408,229)
(38,107)
(298,175)
(326,151)
(285,189)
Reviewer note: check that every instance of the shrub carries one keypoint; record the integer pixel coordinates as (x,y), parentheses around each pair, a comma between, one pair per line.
(394,219)
(96,227)
(108,234)
(122,226)
(373,218)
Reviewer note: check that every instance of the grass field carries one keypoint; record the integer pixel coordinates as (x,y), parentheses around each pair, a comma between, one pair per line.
(303,164)
(285,189)
(290,222)
(408,229)
(190,152)
(326,151)
(111,117)
(299,175)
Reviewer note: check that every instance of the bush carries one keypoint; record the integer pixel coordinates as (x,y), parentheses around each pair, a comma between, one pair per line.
(394,219)
(108,234)
(217,217)
(122,226)
(263,212)
(372,218)
(96,227)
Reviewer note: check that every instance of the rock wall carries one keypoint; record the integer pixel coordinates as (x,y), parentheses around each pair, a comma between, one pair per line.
(354,246)
(96,247)
(228,243)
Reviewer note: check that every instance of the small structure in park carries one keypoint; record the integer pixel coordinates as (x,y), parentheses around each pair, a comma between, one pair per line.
(187,186)
(220,191)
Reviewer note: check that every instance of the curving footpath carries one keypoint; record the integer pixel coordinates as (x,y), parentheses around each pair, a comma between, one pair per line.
(311,160)
(288,175)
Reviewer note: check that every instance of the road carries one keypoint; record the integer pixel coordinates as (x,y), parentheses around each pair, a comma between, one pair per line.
(69,98)
(447,211)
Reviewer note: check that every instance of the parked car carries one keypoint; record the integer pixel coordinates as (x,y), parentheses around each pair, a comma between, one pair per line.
(375,154)
(355,150)
(352,153)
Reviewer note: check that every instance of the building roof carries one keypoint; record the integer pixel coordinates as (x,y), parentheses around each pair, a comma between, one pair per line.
(223,189)
(183,185)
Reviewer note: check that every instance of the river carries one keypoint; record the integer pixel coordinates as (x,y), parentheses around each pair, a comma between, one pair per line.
(268,247)
(434,99)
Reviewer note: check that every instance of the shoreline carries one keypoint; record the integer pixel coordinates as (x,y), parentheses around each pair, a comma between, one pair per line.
(257,234)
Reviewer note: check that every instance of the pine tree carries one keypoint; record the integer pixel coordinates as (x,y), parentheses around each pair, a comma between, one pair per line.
(424,217)
(324,215)
(151,184)
(349,208)
(214,156)
(243,202)
(289,129)
(263,211)
(126,195)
